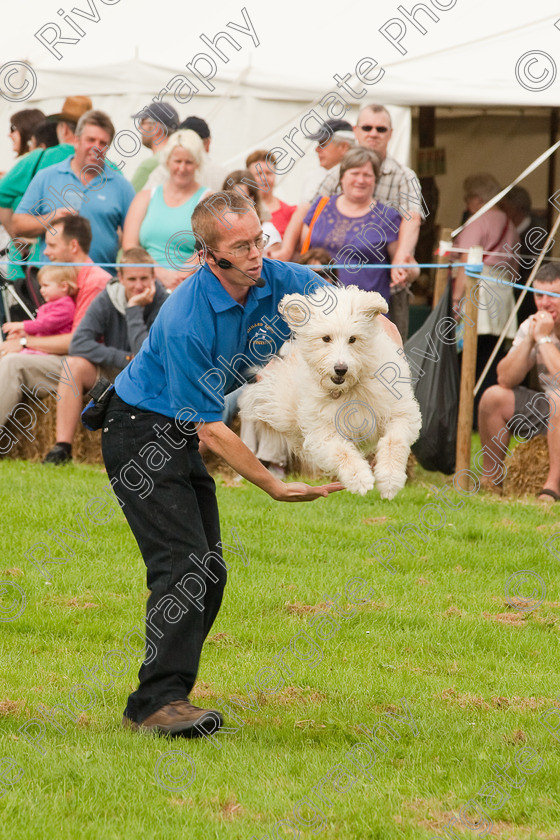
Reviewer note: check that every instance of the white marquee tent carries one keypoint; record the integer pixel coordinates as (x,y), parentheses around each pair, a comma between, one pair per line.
(471,54)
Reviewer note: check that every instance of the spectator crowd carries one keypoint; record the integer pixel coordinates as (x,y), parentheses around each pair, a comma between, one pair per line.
(120,247)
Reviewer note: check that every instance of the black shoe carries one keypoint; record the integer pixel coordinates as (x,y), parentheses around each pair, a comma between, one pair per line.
(178,718)
(58,455)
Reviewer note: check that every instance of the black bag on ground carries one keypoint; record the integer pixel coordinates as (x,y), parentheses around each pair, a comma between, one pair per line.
(437,389)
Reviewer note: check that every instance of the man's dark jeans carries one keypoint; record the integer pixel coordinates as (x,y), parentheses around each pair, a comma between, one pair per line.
(177,518)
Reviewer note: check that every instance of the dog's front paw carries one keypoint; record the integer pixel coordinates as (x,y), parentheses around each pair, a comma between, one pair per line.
(357,480)
(389,482)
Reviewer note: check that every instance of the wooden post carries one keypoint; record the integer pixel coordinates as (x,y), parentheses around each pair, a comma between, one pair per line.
(441,273)
(468,372)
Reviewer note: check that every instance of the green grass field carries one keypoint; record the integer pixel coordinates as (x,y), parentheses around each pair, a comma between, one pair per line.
(477,675)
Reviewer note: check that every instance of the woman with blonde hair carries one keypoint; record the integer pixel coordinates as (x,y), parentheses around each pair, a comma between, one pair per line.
(159,219)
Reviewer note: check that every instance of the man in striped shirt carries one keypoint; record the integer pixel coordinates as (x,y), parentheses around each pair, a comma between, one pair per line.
(397,186)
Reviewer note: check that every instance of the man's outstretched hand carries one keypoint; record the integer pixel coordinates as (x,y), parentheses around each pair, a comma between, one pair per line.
(297,491)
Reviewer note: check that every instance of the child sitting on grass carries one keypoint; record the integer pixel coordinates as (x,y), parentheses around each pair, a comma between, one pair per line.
(55,317)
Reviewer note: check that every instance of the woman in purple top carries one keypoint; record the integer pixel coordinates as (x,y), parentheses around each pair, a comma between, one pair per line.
(353,227)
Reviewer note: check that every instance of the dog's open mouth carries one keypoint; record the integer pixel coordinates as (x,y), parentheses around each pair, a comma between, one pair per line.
(338,380)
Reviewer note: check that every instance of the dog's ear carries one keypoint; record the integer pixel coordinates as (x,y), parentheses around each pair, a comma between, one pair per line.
(372,304)
(295,311)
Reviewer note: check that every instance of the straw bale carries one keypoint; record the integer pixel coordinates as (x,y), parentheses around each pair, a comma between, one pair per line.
(86,447)
(527,467)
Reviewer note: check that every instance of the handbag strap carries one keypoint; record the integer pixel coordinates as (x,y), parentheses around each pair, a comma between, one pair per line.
(318,210)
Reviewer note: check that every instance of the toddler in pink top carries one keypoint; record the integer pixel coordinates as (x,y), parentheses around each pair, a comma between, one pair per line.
(56,316)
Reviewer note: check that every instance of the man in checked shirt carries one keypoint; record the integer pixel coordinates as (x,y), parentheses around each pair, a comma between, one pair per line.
(397,186)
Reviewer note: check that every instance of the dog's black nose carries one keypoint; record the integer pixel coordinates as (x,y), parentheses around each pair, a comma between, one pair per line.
(340,370)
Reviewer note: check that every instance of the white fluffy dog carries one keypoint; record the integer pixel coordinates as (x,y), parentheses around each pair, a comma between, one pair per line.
(324,396)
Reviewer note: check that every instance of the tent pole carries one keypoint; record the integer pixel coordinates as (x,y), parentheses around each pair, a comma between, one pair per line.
(518,303)
(468,372)
(441,273)
(427,140)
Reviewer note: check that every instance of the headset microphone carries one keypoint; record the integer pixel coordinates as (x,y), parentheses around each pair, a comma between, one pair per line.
(223,263)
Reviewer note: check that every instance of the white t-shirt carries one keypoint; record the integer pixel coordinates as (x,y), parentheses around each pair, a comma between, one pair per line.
(273,235)
(546,379)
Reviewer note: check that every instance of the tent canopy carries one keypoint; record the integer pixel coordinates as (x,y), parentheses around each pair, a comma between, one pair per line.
(452,52)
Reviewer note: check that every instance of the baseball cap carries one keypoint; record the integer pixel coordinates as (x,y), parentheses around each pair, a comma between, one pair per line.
(74,107)
(197,124)
(160,112)
(331,127)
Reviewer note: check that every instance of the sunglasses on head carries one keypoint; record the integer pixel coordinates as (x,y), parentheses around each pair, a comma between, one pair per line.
(381,129)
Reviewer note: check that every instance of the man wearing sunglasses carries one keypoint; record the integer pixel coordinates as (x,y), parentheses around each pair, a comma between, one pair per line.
(397,186)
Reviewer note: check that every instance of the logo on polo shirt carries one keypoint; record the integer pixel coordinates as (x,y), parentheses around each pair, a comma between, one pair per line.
(261,336)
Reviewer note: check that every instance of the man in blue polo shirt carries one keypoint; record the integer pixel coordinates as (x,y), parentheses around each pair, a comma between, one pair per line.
(82,184)
(211,326)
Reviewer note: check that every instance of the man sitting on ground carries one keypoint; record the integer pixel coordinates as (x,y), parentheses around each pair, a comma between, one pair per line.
(109,336)
(69,241)
(509,407)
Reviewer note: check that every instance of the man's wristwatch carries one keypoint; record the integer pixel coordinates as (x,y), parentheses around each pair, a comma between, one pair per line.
(545,339)
(23,342)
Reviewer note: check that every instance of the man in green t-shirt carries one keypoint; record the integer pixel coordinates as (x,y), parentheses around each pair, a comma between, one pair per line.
(156,123)
(15,182)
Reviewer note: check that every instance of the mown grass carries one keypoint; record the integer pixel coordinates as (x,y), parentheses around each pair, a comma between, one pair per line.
(476,674)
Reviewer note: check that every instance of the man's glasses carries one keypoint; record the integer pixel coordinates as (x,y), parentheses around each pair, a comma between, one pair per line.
(12,129)
(244,248)
(381,129)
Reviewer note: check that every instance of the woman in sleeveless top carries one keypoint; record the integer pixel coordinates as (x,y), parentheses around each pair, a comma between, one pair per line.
(159,220)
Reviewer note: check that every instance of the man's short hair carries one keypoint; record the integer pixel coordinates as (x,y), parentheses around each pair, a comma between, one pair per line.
(548,273)
(97,118)
(377,109)
(135,255)
(198,125)
(207,221)
(75,227)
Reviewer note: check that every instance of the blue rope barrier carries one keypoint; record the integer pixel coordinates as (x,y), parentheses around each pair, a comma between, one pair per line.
(81,265)
(404,265)
(159,265)
(472,273)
